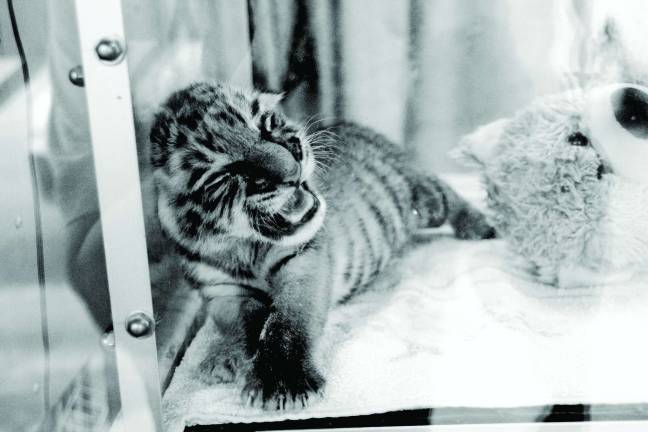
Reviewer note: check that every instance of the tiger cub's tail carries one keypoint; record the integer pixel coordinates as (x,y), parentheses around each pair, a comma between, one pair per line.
(437,203)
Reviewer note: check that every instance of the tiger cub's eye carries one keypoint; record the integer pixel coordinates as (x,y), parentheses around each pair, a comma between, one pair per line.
(271,120)
(578,139)
(260,185)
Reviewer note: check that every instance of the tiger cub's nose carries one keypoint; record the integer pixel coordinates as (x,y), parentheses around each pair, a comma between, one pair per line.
(630,106)
(278,162)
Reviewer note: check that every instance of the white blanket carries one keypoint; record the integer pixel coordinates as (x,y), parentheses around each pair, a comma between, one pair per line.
(464,327)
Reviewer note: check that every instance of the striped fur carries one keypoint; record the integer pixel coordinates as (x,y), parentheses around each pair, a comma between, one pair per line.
(276,225)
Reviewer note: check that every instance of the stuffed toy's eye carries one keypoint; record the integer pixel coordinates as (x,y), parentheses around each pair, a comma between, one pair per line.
(578,139)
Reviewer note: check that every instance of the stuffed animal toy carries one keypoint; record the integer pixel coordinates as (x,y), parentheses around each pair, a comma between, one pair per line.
(567,183)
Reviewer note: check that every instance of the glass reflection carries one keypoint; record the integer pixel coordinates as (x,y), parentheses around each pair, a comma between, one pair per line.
(57,373)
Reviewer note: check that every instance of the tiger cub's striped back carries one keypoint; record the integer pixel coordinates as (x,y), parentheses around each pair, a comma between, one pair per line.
(376,202)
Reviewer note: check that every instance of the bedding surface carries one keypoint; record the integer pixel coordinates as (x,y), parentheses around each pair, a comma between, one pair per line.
(454,324)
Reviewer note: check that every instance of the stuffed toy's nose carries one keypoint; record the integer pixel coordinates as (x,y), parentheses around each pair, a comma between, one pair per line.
(630,105)
(617,118)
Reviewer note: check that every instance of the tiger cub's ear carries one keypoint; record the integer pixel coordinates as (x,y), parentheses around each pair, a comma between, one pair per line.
(267,101)
(163,131)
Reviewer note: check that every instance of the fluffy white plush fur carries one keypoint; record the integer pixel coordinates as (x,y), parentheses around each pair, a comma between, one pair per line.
(562,206)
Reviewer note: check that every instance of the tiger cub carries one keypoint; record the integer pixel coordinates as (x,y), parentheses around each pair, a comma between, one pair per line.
(276,226)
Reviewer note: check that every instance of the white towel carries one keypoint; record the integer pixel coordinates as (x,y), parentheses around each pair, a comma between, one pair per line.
(462,328)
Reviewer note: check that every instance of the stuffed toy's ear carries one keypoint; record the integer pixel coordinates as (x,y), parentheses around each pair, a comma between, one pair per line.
(480,145)
(617,54)
(269,101)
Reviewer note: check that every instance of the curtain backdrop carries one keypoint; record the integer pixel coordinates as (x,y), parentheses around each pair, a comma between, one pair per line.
(423,72)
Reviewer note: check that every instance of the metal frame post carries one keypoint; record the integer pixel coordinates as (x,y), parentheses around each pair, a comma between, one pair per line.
(110,111)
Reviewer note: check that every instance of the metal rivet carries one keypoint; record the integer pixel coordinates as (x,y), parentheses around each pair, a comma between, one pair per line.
(18,222)
(139,325)
(108,339)
(76,76)
(110,51)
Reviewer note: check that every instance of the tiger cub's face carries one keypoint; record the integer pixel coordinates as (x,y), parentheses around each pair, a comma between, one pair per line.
(228,163)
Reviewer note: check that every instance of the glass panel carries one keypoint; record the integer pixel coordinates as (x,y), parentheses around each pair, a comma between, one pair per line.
(171,44)
(57,350)
(463,324)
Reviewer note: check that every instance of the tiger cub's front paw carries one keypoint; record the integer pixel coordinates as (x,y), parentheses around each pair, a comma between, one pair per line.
(282,386)
(223,365)
(282,374)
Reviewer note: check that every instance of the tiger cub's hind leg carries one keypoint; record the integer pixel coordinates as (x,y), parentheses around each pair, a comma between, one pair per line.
(239,321)
(437,203)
